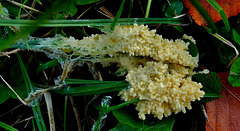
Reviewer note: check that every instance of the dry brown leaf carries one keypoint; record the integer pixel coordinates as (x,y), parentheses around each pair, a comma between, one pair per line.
(230,7)
(223,113)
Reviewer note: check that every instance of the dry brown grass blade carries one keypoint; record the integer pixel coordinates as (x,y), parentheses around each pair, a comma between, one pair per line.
(225,41)
(24,6)
(20,99)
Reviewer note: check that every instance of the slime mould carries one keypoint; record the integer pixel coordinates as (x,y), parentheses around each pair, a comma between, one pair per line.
(159,70)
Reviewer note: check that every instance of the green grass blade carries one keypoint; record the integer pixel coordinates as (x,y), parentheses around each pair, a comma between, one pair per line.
(65,114)
(33,125)
(130,8)
(123,104)
(31,26)
(25,75)
(47,65)
(205,15)
(108,109)
(20,10)
(236,36)
(81,81)
(117,16)
(97,125)
(92,89)
(89,22)
(220,10)
(148,8)
(35,103)
(7,127)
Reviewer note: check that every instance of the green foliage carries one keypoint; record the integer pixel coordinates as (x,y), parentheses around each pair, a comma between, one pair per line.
(130,121)
(124,127)
(192,48)
(125,117)
(85,2)
(39,2)
(68,8)
(174,9)
(234,76)
(34,103)
(205,15)
(87,22)
(211,85)
(225,53)
(114,23)
(166,124)
(127,121)
(10,9)
(47,65)
(220,10)
(148,8)
(5,93)
(7,127)
(90,89)
(236,36)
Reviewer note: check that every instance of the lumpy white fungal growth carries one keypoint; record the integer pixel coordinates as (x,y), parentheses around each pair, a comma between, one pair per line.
(159,70)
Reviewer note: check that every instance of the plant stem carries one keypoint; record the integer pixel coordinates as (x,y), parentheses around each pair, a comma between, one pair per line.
(65,114)
(22,5)
(89,22)
(148,8)
(225,41)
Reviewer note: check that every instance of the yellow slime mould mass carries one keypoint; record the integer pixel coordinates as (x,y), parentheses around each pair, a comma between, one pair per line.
(159,70)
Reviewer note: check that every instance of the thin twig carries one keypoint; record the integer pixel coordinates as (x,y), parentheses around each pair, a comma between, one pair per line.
(225,41)
(83,13)
(24,6)
(11,110)
(204,112)
(76,112)
(231,92)
(13,91)
(106,13)
(9,52)
(64,73)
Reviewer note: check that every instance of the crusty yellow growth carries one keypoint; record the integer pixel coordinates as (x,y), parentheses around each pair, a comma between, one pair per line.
(163,89)
(159,70)
(135,40)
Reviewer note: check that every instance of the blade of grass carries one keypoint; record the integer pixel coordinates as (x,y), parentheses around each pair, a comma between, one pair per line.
(117,16)
(31,26)
(33,125)
(130,8)
(89,22)
(92,89)
(204,14)
(35,103)
(65,114)
(108,109)
(47,65)
(148,8)
(7,127)
(20,10)
(225,41)
(220,10)
(236,36)
(97,125)
(81,81)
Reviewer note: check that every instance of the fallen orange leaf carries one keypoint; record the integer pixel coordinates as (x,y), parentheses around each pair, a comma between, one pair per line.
(230,7)
(224,113)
